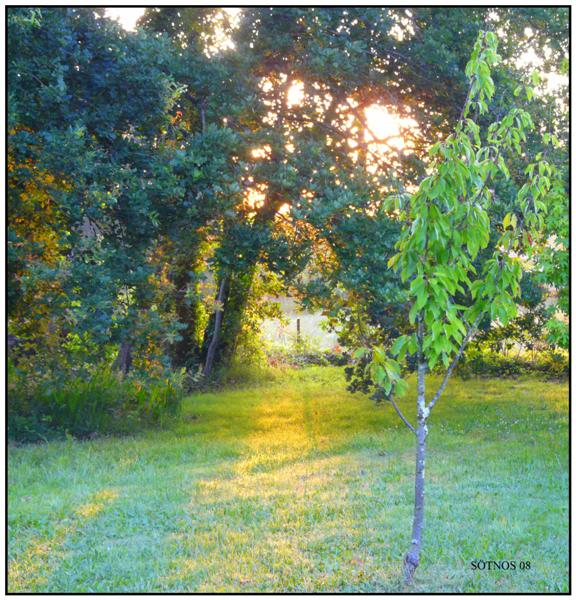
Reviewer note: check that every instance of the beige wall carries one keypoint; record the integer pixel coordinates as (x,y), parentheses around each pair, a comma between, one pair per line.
(310,326)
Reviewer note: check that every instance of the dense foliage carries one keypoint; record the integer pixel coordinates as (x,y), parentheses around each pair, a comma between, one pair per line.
(165,184)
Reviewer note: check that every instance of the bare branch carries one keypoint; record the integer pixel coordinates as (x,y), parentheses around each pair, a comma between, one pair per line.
(406,422)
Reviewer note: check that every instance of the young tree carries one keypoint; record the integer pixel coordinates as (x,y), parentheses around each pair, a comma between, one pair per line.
(445,224)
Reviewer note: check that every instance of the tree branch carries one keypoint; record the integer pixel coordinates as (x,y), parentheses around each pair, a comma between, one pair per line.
(454,362)
(406,422)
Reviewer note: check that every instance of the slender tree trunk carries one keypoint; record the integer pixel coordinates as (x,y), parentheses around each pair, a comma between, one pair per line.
(221,340)
(235,298)
(123,360)
(186,350)
(211,353)
(412,558)
(236,301)
(220,343)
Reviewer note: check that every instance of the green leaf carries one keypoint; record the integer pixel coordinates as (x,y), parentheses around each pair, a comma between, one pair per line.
(413,313)
(393,260)
(502,166)
(399,345)
(400,388)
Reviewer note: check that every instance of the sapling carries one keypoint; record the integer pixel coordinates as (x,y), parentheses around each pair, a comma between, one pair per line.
(446,223)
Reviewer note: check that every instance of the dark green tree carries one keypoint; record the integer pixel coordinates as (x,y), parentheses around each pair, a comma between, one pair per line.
(88,108)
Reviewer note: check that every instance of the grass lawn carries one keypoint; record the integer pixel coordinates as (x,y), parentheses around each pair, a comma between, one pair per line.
(297,485)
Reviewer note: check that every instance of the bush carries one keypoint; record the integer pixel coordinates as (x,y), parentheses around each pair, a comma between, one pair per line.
(304,352)
(487,363)
(40,408)
(242,375)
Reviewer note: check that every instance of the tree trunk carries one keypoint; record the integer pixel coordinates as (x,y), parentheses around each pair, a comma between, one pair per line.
(123,361)
(211,353)
(412,558)
(235,297)
(185,352)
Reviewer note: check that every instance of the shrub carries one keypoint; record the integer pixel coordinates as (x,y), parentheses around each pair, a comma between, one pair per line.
(487,363)
(40,408)
(303,352)
(241,375)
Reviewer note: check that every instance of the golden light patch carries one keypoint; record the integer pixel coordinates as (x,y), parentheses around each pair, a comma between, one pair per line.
(295,94)
(284,209)
(91,509)
(387,127)
(255,198)
(263,152)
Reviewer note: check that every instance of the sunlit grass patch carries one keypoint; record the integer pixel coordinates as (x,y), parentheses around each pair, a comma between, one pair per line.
(300,486)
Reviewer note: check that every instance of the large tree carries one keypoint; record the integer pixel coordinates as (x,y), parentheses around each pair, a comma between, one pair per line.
(88,108)
(213,144)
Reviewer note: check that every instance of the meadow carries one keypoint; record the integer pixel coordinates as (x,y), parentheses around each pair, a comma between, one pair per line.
(293,484)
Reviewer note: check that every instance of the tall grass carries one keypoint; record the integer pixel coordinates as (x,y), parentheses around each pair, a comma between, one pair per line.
(82,406)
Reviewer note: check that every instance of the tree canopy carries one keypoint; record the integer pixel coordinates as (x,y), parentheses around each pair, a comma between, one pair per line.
(155,176)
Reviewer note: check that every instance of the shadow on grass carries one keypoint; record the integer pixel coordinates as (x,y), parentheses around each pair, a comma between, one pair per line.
(30,570)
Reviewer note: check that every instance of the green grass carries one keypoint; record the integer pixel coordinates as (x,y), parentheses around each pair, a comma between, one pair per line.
(297,485)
